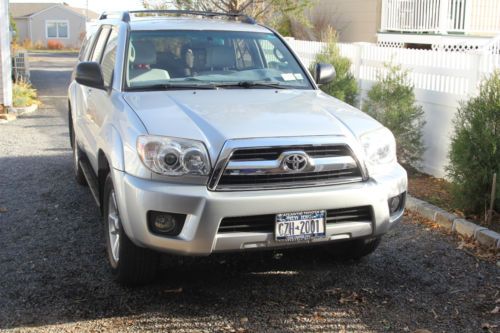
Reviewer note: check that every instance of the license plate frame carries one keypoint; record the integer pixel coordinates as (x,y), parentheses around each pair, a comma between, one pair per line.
(299,226)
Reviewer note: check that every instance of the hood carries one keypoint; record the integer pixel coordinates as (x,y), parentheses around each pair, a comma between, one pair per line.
(214,116)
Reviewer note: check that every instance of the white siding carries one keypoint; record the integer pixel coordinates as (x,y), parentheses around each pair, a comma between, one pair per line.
(356,20)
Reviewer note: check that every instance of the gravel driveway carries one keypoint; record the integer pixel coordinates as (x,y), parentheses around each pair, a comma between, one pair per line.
(54,276)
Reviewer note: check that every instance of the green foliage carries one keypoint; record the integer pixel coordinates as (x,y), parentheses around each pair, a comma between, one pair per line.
(344,86)
(392,102)
(475,149)
(23,94)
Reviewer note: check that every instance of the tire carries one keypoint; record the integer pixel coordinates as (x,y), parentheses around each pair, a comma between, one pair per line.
(77,153)
(130,265)
(354,249)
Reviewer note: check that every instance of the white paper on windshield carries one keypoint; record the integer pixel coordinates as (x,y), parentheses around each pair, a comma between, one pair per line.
(288,77)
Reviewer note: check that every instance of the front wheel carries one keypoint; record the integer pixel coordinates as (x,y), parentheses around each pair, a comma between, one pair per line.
(130,265)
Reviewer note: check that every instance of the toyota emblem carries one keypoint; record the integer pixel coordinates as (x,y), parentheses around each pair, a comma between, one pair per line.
(295,162)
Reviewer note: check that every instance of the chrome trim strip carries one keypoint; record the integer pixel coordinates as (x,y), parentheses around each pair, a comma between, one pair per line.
(240,144)
(251,168)
(278,186)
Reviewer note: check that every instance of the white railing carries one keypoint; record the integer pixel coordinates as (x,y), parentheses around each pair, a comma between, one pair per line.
(441,16)
(441,80)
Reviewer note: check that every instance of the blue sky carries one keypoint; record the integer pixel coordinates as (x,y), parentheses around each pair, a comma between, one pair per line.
(96,5)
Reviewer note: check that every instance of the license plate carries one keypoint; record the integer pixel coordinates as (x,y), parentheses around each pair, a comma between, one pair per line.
(300,225)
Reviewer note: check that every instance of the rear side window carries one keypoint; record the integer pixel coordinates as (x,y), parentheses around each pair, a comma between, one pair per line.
(83,50)
(99,44)
(108,58)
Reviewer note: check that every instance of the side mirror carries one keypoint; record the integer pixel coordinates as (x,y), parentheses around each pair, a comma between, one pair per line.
(324,73)
(89,74)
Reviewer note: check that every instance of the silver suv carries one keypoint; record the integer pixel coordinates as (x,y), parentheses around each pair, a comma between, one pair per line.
(201,132)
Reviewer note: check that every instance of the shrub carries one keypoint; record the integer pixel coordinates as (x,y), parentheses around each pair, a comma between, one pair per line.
(27,44)
(38,45)
(54,45)
(23,94)
(475,149)
(344,86)
(392,102)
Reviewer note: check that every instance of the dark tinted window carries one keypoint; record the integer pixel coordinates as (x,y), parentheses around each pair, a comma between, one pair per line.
(99,44)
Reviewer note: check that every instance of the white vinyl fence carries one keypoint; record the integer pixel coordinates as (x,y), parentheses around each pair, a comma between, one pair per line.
(441,80)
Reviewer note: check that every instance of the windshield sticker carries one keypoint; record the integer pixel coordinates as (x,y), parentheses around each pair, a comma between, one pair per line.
(288,77)
(298,76)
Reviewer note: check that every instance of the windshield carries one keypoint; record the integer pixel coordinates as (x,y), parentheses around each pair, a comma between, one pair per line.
(210,60)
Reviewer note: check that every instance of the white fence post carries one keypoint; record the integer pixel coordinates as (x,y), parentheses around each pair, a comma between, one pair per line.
(474,72)
(5,59)
(356,68)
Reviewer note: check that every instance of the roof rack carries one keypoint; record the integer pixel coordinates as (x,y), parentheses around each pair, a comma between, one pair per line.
(125,16)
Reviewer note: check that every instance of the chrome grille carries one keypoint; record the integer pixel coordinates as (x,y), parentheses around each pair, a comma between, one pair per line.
(264,167)
(265,223)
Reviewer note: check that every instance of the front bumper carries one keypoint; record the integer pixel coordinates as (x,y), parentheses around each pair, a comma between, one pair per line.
(205,210)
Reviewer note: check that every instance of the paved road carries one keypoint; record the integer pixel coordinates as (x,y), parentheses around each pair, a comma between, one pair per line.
(54,277)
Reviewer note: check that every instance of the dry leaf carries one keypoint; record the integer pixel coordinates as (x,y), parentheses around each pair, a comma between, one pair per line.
(496,310)
(354,297)
(487,326)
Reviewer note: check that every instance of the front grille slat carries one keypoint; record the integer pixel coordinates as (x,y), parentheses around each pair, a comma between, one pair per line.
(265,223)
(294,177)
(274,152)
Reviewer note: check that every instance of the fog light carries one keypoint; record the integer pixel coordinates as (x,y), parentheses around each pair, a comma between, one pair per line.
(169,224)
(396,203)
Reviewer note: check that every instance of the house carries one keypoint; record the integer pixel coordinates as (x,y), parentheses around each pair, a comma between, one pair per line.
(41,22)
(444,24)
(437,24)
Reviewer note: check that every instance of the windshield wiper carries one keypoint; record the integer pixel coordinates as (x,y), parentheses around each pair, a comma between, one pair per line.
(170,86)
(252,84)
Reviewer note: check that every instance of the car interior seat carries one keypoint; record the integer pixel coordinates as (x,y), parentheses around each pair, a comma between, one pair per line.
(141,57)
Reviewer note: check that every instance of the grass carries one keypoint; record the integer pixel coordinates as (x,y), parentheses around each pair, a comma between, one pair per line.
(23,94)
(53,51)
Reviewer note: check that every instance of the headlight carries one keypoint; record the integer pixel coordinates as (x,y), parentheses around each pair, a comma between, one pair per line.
(380,149)
(173,156)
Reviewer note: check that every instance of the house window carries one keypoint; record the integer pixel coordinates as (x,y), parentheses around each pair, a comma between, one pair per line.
(57,29)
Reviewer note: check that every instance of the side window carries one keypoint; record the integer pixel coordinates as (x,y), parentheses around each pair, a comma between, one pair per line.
(109,57)
(99,44)
(83,50)
(273,55)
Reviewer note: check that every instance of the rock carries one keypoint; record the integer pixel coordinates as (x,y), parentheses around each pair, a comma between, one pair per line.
(488,238)
(466,228)
(7,116)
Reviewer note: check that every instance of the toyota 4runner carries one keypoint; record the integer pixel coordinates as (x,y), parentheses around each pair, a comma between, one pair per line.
(201,132)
